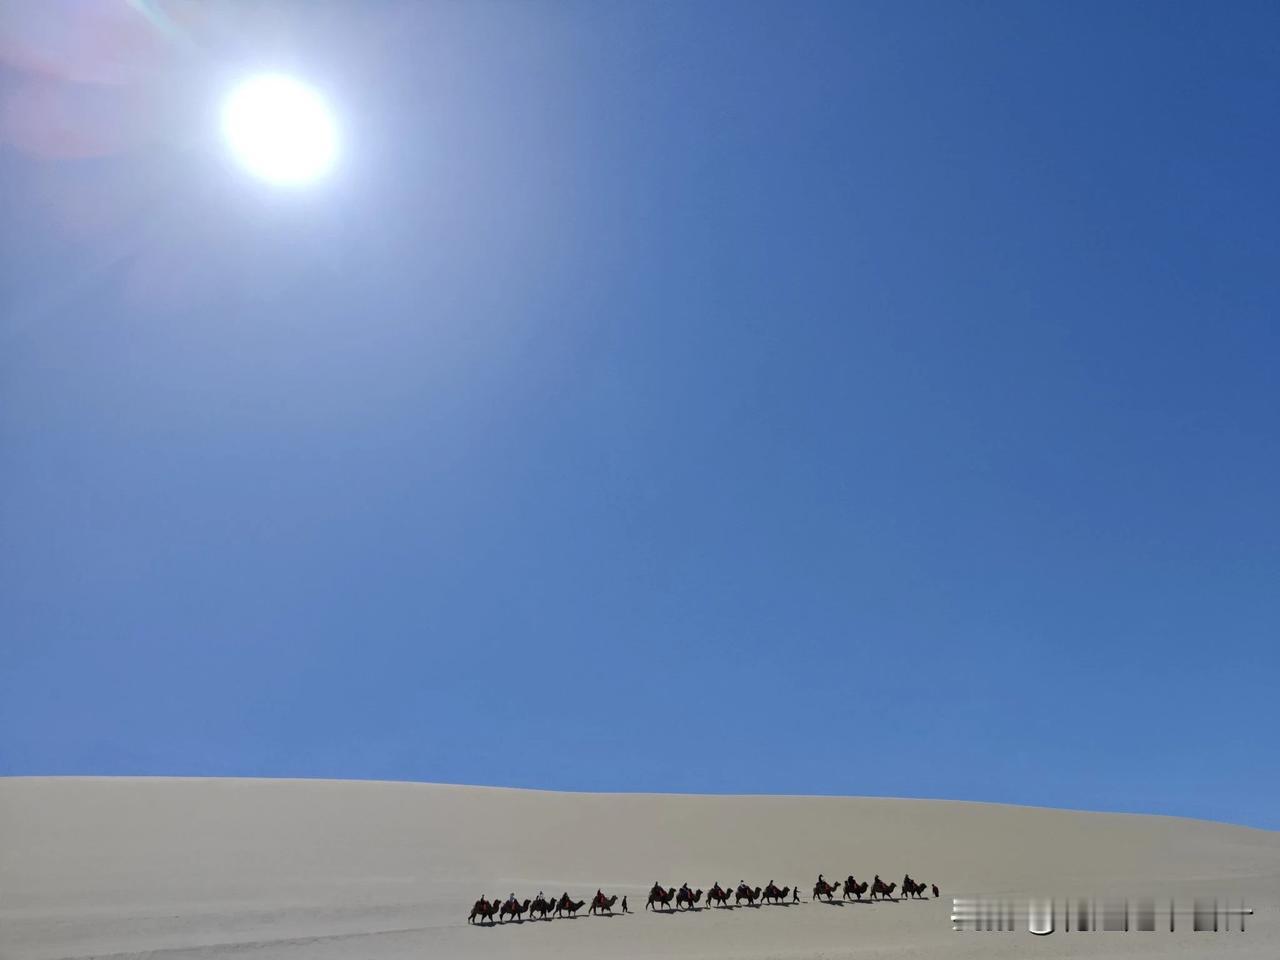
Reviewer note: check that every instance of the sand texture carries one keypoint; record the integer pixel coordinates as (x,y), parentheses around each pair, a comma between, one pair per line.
(257,869)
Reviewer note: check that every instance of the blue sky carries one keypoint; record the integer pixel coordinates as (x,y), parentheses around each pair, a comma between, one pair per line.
(849,399)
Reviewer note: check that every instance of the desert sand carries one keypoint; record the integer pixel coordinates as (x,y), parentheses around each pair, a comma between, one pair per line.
(257,869)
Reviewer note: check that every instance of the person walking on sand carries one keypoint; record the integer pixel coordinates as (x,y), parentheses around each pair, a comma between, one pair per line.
(624,904)
(795,894)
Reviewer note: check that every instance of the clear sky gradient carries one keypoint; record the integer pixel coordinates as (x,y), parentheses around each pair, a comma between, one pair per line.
(875,398)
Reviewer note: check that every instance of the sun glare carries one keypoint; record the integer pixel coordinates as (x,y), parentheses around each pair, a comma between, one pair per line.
(280,129)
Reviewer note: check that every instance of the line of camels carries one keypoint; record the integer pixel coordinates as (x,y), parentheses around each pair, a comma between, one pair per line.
(685,898)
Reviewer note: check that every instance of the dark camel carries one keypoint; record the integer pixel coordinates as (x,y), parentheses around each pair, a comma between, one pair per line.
(718,894)
(514,908)
(568,906)
(824,889)
(483,910)
(542,907)
(688,898)
(884,890)
(746,893)
(601,904)
(913,888)
(852,888)
(773,895)
(659,897)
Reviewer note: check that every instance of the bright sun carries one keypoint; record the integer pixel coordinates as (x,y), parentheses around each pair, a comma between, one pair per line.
(280,129)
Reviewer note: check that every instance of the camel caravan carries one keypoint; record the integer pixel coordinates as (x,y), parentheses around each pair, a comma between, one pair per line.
(538,908)
(685,898)
(877,889)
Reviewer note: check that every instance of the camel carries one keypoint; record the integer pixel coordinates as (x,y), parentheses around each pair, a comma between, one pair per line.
(852,888)
(542,907)
(568,906)
(718,895)
(912,888)
(515,908)
(884,890)
(660,898)
(688,898)
(602,904)
(484,909)
(823,889)
(773,895)
(746,893)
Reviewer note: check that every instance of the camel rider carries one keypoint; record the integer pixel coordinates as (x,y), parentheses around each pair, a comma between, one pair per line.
(821,882)
(512,898)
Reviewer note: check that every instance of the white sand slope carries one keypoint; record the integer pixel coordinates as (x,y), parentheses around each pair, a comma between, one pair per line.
(274,868)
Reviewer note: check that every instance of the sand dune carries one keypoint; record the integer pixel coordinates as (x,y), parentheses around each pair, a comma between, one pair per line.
(277,868)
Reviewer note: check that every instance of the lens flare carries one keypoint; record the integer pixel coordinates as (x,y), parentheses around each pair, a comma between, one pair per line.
(280,129)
